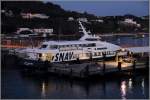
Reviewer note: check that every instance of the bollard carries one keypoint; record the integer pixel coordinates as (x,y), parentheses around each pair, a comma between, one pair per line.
(119,66)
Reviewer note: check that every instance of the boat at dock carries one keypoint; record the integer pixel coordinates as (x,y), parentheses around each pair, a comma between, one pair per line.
(83,58)
(87,47)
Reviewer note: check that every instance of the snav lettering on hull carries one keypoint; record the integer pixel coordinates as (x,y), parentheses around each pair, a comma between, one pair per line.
(63,56)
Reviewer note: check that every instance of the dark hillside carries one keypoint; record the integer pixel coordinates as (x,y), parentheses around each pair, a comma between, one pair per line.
(58,19)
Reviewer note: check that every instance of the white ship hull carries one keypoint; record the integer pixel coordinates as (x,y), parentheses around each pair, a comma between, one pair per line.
(88,47)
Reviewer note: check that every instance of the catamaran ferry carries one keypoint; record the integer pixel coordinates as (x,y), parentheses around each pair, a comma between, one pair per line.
(59,51)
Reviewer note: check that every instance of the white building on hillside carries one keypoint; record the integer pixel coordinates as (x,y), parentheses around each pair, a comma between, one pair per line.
(130,22)
(98,20)
(70,18)
(38,31)
(23,29)
(42,30)
(34,15)
(82,19)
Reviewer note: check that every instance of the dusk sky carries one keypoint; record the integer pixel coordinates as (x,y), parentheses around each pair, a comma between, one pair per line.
(107,8)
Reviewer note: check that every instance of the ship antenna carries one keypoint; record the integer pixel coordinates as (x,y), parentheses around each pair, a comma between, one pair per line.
(83,28)
(83,31)
(86,35)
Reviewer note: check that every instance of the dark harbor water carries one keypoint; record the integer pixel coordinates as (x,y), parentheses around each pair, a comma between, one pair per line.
(15,85)
(128,40)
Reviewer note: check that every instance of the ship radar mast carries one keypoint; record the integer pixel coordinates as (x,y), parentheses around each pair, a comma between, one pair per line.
(86,36)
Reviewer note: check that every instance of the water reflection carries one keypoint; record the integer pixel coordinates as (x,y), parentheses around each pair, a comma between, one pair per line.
(56,87)
(143,90)
(43,93)
(86,89)
(123,90)
(130,85)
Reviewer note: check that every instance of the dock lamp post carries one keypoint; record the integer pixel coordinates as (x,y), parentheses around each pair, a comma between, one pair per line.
(118,61)
(117,56)
(104,56)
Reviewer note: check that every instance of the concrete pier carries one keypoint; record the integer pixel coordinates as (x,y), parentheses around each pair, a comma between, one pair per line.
(88,69)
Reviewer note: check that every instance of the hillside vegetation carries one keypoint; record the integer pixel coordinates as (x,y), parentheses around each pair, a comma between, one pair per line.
(58,19)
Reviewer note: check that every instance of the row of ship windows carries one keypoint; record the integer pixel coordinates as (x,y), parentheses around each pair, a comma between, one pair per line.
(79,48)
(73,45)
(101,53)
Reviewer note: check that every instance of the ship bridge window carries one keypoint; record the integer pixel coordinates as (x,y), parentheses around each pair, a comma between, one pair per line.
(62,46)
(53,46)
(81,45)
(91,45)
(87,45)
(43,46)
(101,48)
(91,39)
(84,45)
